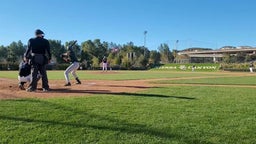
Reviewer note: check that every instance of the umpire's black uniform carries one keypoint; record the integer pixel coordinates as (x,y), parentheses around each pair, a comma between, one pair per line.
(37,48)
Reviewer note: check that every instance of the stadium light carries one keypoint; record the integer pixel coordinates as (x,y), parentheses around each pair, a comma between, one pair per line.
(145,35)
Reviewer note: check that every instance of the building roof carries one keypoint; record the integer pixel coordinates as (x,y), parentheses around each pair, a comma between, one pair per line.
(219,51)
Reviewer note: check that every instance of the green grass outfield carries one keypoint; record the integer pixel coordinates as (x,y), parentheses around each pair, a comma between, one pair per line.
(170,113)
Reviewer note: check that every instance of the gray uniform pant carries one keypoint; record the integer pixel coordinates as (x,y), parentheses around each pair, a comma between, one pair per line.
(71,69)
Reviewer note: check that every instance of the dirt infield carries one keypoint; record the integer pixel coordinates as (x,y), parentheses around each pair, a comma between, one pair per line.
(9,88)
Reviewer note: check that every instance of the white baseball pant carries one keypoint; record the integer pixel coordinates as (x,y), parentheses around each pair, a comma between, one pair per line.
(105,66)
(24,78)
(71,69)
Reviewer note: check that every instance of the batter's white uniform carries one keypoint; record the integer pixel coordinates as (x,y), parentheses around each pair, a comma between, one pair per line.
(105,66)
(71,69)
(251,69)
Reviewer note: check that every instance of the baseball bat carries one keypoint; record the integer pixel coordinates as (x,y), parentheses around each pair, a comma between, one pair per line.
(70,46)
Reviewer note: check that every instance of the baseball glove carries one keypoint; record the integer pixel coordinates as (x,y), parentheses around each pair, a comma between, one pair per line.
(65,57)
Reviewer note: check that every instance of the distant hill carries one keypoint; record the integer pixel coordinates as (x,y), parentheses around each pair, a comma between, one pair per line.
(239,47)
(196,49)
(222,48)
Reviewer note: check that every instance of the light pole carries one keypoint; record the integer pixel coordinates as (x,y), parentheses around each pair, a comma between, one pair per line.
(145,35)
(176,44)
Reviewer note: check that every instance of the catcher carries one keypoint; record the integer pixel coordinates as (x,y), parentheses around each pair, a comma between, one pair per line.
(25,74)
(70,57)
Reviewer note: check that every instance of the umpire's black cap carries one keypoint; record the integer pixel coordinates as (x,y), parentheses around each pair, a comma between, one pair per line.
(38,31)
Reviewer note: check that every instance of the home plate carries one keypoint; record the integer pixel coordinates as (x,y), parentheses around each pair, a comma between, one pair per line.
(91,84)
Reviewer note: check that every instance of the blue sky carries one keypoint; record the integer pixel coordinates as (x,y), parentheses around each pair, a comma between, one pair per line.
(195,23)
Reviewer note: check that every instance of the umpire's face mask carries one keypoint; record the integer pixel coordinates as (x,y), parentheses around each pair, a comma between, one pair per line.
(40,35)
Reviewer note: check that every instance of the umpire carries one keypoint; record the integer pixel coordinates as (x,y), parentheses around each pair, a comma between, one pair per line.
(38,47)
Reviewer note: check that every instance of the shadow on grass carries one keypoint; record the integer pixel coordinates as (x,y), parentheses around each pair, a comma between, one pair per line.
(125,128)
(205,83)
(103,122)
(113,124)
(118,93)
(138,87)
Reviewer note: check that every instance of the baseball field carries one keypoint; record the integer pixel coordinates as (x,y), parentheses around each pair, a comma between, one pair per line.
(131,107)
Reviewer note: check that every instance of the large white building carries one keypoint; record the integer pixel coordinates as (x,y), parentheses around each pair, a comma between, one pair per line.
(214,55)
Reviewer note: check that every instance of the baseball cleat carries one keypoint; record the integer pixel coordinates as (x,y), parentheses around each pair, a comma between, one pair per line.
(67,84)
(30,90)
(78,82)
(21,87)
(46,89)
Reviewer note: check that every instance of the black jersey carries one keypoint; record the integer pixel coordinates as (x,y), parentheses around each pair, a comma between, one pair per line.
(104,60)
(72,55)
(38,45)
(24,69)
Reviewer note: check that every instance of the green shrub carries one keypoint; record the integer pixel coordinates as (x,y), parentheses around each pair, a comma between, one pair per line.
(235,66)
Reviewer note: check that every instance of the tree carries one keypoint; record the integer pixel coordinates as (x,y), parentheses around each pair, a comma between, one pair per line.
(226,58)
(88,46)
(240,57)
(111,59)
(88,51)
(166,55)
(117,60)
(143,61)
(95,62)
(154,58)
(3,53)
(15,52)
(248,58)
(175,54)
(86,59)
(100,49)
(95,49)
(20,49)
(57,49)
(253,57)
(126,63)
(127,55)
